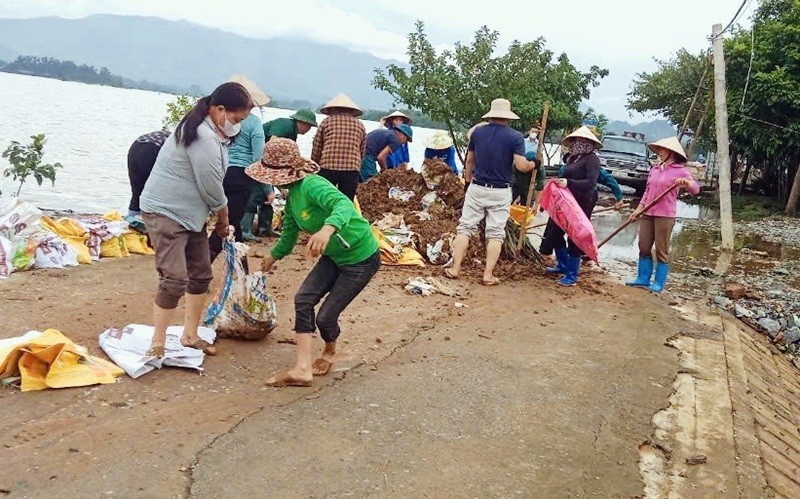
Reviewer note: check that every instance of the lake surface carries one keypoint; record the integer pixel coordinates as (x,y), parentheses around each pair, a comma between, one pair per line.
(89,129)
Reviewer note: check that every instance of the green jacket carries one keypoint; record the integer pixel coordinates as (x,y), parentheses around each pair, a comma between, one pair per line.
(281,127)
(314,202)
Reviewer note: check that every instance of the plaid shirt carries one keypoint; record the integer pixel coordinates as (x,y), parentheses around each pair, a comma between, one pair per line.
(339,143)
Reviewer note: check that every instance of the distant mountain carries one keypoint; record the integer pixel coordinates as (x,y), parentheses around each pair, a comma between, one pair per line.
(653,130)
(179,53)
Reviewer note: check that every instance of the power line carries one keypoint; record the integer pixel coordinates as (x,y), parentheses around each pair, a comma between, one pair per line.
(765,122)
(734,19)
(750,68)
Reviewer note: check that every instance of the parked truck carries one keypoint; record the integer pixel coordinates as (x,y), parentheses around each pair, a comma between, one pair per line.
(627,158)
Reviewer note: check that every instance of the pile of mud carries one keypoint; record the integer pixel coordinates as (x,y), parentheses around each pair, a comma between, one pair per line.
(430,205)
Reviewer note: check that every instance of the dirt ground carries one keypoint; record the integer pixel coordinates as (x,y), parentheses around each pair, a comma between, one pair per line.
(532,390)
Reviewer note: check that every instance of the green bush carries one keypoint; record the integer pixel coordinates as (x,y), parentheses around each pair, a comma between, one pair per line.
(26,161)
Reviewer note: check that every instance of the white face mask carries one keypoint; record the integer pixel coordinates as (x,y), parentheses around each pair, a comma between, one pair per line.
(230,129)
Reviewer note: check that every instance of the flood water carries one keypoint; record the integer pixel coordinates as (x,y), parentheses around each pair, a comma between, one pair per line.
(89,129)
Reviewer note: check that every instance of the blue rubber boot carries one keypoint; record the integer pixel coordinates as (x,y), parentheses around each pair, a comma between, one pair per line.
(562,257)
(573,268)
(662,270)
(645,273)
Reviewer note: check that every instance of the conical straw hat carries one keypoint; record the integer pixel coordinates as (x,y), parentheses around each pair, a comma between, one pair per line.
(582,133)
(397,114)
(258,96)
(342,101)
(501,108)
(670,144)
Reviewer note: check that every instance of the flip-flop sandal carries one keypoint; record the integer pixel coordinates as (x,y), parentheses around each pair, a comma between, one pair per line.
(321,365)
(156,351)
(286,379)
(203,345)
(449,275)
(493,282)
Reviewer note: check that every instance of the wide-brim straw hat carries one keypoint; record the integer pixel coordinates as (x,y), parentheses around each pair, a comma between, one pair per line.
(341,101)
(397,114)
(258,95)
(583,133)
(281,164)
(501,108)
(670,144)
(439,140)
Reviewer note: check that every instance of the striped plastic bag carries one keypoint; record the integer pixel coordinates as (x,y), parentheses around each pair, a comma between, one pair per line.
(242,308)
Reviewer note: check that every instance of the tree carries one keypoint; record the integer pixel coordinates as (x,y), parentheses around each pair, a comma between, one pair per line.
(26,161)
(176,110)
(455,87)
(764,121)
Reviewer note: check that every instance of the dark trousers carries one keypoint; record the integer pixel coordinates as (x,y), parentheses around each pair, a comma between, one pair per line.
(237,186)
(141,158)
(345,181)
(341,284)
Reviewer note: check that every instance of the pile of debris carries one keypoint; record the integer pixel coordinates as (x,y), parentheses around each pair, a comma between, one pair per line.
(428,205)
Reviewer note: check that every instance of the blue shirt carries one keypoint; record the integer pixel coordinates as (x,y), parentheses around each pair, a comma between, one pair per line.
(249,144)
(605,179)
(398,157)
(448,155)
(377,140)
(494,146)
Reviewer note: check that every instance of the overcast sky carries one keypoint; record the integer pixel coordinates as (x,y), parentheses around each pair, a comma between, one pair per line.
(621,35)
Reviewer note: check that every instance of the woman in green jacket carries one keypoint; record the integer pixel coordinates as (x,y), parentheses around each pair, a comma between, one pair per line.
(343,240)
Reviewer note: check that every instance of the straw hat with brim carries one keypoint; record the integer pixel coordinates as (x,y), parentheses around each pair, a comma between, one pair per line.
(407,131)
(341,101)
(439,140)
(306,116)
(397,114)
(258,96)
(501,108)
(670,144)
(582,133)
(281,164)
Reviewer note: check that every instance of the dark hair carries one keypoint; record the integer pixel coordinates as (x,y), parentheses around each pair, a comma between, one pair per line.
(232,96)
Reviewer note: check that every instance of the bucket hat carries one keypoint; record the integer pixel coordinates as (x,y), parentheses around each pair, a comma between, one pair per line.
(501,108)
(344,102)
(256,94)
(670,144)
(281,164)
(397,114)
(306,116)
(407,131)
(439,140)
(582,133)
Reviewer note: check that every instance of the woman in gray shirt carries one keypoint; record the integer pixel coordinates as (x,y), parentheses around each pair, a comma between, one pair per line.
(184,187)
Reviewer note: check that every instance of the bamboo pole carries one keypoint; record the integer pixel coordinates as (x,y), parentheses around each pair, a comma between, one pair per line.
(542,130)
(631,220)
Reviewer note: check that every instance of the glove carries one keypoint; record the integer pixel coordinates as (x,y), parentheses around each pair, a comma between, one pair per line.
(530,156)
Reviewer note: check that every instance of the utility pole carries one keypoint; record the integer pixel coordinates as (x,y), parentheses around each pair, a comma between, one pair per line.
(723,158)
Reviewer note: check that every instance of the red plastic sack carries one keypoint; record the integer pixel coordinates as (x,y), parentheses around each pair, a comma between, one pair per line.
(560,204)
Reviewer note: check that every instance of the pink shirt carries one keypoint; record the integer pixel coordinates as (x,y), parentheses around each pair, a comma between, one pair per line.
(660,179)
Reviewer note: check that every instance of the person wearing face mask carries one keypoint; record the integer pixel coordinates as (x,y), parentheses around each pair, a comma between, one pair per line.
(655,225)
(184,186)
(580,176)
(245,148)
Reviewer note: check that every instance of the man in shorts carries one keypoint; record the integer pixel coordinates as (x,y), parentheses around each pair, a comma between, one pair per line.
(494,150)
